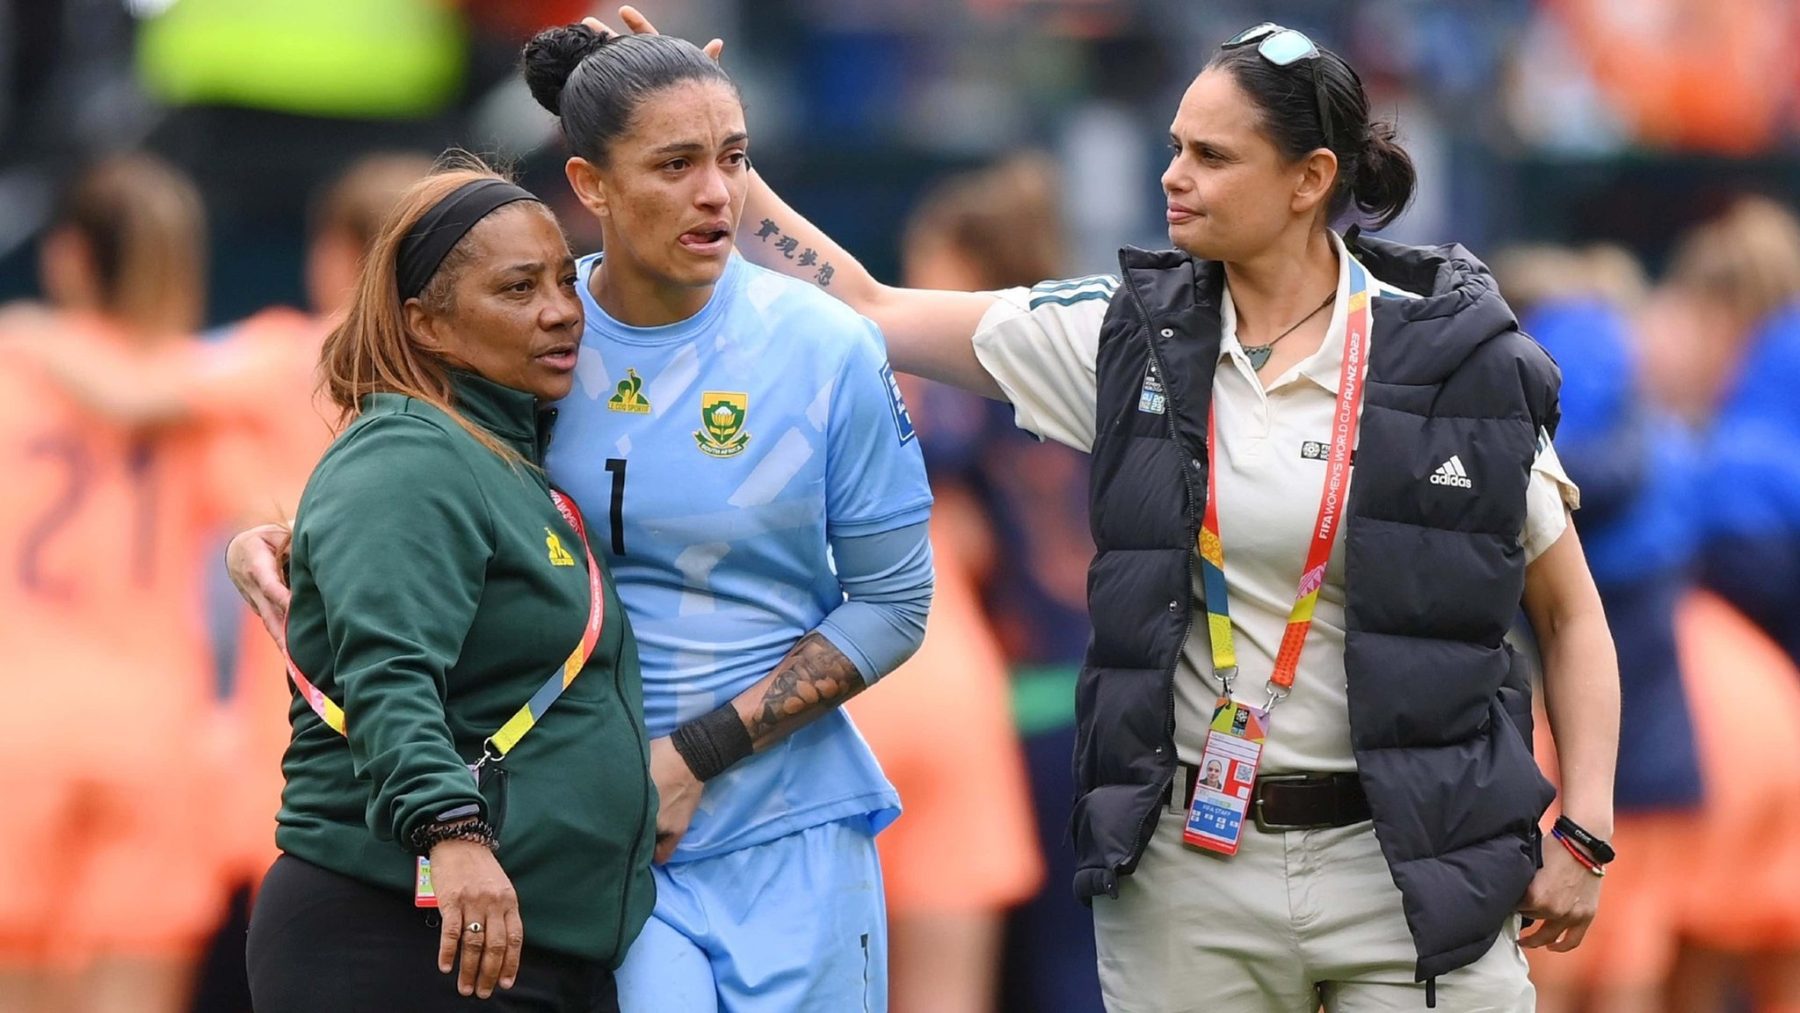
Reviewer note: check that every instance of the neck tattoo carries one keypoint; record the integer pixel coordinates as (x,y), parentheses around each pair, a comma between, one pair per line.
(1259,354)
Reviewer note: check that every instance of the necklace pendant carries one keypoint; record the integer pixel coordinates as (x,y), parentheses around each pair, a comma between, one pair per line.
(1258,355)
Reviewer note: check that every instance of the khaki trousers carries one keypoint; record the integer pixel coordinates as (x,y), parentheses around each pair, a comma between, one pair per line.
(1294,921)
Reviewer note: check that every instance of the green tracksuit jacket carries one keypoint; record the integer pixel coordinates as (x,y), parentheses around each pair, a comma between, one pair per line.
(436,588)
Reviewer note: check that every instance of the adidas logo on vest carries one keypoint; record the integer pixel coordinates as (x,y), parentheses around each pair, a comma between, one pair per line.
(1451,473)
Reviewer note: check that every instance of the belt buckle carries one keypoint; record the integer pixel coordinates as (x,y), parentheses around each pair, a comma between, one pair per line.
(1256,804)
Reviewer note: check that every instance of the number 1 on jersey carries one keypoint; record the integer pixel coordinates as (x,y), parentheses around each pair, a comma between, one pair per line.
(616,465)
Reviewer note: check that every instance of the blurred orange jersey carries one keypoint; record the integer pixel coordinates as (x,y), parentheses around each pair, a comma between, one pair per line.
(262,378)
(65,521)
(262,381)
(252,398)
(101,534)
(1725,876)
(104,667)
(941,727)
(1693,74)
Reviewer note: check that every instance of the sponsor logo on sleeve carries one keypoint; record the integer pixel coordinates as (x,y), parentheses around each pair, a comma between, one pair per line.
(903,422)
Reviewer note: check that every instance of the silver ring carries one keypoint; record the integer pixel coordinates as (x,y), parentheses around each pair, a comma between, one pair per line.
(473,928)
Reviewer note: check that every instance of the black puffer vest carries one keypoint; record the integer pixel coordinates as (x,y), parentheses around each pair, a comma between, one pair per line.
(1440,713)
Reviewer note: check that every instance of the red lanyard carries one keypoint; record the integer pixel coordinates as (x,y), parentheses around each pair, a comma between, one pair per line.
(1346,418)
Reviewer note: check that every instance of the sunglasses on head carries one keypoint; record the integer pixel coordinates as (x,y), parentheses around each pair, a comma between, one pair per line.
(1285,47)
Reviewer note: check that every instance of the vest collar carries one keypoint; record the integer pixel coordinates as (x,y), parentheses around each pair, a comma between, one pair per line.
(1422,341)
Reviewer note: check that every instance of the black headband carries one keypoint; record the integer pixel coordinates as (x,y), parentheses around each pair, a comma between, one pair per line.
(441,228)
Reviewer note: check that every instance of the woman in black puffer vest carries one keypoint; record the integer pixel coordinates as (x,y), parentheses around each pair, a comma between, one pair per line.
(1395,847)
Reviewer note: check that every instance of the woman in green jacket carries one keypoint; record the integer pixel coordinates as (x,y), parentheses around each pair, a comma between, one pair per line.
(439,584)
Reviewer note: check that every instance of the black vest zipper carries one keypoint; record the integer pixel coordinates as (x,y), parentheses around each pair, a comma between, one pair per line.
(1187,630)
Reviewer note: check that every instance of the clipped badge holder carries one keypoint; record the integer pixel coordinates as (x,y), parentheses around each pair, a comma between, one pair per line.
(424,895)
(1227,776)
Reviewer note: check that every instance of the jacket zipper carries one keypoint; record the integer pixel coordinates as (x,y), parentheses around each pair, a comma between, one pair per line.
(549,419)
(636,733)
(1187,627)
(637,839)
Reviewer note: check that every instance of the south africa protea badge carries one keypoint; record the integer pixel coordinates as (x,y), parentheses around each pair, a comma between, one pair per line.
(721,432)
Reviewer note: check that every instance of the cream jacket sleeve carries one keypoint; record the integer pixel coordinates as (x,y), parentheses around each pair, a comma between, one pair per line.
(1040,344)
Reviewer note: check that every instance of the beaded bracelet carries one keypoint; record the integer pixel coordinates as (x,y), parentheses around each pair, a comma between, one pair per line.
(471,829)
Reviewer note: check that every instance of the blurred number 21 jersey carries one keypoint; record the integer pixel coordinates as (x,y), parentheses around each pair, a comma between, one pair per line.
(713,459)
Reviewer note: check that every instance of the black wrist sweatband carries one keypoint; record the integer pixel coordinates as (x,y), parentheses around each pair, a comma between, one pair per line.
(712,743)
(1601,851)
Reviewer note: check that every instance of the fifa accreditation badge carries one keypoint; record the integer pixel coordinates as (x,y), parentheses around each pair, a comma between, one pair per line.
(721,432)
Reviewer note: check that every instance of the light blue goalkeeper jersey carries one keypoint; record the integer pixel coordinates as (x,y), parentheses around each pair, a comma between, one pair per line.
(715,458)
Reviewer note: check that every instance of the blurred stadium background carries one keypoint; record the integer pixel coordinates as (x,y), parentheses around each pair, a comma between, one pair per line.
(1598,153)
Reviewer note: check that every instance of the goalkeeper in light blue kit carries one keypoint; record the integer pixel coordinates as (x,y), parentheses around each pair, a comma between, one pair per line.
(740,436)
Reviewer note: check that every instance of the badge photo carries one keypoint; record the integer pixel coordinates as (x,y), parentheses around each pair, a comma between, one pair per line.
(1227,777)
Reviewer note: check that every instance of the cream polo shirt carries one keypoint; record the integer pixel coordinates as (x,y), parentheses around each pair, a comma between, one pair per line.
(1040,346)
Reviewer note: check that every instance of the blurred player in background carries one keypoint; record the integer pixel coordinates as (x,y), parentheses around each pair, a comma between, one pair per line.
(258,380)
(1633,466)
(1013,510)
(1726,336)
(965,851)
(259,373)
(103,657)
(1723,348)
(1708,784)
(272,358)
(1739,883)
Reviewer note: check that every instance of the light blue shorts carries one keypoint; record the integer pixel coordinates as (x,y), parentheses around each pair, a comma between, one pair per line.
(797,925)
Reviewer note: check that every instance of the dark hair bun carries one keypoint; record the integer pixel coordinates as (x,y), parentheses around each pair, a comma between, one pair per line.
(1385,177)
(552,55)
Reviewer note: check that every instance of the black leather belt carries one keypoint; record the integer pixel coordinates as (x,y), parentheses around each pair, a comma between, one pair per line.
(1281,802)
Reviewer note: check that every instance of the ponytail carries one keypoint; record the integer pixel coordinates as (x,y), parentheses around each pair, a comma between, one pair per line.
(1384,179)
(595,82)
(1375,174)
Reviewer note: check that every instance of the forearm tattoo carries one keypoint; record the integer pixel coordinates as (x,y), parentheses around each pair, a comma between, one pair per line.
(814,677)
(769,232)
